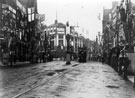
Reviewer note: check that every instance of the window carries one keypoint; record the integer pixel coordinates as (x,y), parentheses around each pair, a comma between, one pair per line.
(29,10)
(29,17)
(60,36)
(32,16)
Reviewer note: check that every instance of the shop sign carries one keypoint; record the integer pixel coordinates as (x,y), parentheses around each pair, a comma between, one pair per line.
(60,32)
(60,29)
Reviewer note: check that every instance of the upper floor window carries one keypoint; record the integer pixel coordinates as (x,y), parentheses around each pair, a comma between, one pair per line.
(60,36)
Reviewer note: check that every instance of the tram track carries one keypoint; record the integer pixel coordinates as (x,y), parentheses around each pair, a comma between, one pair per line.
(44,83)
(34,72)
(36,80)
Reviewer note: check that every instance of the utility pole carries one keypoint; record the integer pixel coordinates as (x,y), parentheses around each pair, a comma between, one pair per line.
(68,37)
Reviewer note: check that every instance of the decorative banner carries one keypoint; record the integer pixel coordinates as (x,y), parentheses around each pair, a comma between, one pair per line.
(24,10)
(19,4)
(37,16)
(42,17)
(133,10)
(32,9)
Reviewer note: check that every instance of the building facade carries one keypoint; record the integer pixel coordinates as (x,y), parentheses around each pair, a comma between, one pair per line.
(58,32)
(18,17)
(110,29)
(17,26)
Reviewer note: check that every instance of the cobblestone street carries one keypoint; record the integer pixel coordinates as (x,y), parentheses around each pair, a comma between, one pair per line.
(92,79)
(21,78)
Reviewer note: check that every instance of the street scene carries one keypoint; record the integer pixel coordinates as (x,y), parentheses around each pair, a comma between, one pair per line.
(67,49)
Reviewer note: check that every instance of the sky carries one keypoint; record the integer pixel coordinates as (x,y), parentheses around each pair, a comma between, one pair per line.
(83,13)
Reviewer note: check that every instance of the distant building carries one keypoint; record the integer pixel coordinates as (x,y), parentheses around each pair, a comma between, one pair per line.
(58,34)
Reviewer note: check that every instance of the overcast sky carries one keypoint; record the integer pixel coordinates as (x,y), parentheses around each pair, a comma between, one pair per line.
(82,12)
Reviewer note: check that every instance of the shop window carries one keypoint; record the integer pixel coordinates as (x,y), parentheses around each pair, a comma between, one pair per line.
(61,42)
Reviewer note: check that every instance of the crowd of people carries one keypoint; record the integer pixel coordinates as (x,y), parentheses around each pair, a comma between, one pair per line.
(117,59)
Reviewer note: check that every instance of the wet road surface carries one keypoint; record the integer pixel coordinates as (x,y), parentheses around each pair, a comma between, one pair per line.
(16,80)
(87,80)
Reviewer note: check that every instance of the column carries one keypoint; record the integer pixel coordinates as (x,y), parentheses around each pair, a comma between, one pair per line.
(64,40)
(57,40)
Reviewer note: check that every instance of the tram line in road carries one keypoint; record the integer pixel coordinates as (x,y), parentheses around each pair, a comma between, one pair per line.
(30,75)
(35,71)
(47,81)
(34,80)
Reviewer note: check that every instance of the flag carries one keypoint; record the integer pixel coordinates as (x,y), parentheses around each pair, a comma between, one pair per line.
(42,17)
(99,16)
(32,9)
(37,16)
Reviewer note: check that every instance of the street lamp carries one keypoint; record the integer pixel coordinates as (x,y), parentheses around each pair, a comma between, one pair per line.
(68,37)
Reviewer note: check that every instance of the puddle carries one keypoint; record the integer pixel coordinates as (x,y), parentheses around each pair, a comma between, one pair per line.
(112,86)
(50,73)
(58,95)
(60,70)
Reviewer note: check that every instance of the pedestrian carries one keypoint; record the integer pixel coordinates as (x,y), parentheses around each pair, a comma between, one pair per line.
(120,62)
(104,57)
(126,64)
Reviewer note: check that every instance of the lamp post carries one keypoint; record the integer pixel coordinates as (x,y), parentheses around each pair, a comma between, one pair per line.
(68,37)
